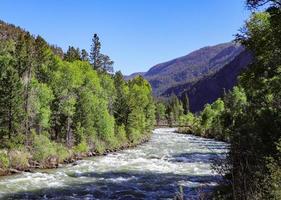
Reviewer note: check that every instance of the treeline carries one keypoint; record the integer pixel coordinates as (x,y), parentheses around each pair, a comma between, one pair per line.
(52,108)
(169,112)
(249,117)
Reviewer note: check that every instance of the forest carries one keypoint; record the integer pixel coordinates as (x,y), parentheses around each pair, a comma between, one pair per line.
(57,107)
(248,117)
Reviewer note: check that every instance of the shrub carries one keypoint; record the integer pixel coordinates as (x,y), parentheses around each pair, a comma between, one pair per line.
(4,160)
(16,142)
(19,158)
(62,152)
(43,148)
(121,136)
(99,146)
(82,147)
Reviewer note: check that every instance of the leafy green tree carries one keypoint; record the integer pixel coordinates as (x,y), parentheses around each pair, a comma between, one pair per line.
(105,125)
(86,109)
(64,84)
(108,90)
(142,109)
(42,97)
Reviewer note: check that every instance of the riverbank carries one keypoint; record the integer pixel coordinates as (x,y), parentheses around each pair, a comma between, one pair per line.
(189,130)
(53,161)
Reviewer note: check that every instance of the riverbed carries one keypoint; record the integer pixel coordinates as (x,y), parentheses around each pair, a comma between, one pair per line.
(154,170)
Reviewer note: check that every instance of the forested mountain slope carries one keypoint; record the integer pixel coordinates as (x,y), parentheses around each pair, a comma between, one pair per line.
(192,67)
(203,74)
(209,88)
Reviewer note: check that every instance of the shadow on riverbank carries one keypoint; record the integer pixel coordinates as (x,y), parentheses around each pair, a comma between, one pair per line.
(125,185)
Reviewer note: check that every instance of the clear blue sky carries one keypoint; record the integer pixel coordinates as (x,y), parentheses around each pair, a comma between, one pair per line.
(136,34)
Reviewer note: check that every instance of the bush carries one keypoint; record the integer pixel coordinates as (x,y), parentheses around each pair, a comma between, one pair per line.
(19,158)
(99,146)
(121,136)
(82,147)
(43,148)
(62,152)
(4,160)
(16,142)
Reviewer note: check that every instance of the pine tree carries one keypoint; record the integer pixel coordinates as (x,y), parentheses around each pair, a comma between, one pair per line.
(43,58)
(25,61)
(95,52)
(11,102)
(106,63)
(98,60)
(185,104)
(72,54)
(84,55)
(121,108)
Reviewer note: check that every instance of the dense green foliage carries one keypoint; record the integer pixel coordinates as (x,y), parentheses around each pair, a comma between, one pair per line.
(53,108)
(249,117)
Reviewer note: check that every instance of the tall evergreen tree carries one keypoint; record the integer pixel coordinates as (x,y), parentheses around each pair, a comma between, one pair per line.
(43,59)
(72,54)
(185,104)
(24,54)
(121,108)
(106,63)
(95,52)
(98,60)
(11,101)
(84,55)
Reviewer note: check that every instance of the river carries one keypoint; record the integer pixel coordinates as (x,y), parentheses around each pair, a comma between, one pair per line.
(154,170)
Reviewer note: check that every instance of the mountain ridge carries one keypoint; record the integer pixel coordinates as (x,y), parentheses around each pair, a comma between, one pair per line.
(191,67)
(202,68)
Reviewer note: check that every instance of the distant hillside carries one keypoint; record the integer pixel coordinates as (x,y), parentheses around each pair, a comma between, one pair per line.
(191,67)
(209,88)
(203,74)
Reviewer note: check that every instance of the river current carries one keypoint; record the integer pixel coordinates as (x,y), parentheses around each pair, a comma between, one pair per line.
(154,170)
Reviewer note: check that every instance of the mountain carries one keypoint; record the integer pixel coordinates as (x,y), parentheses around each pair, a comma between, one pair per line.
(203,74)
(191,67)
(209,88)
(133,75)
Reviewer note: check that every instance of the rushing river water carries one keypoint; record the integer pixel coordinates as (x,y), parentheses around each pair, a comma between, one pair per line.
(154,170)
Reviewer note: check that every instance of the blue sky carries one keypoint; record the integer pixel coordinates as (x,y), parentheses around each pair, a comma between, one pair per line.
(136,34)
